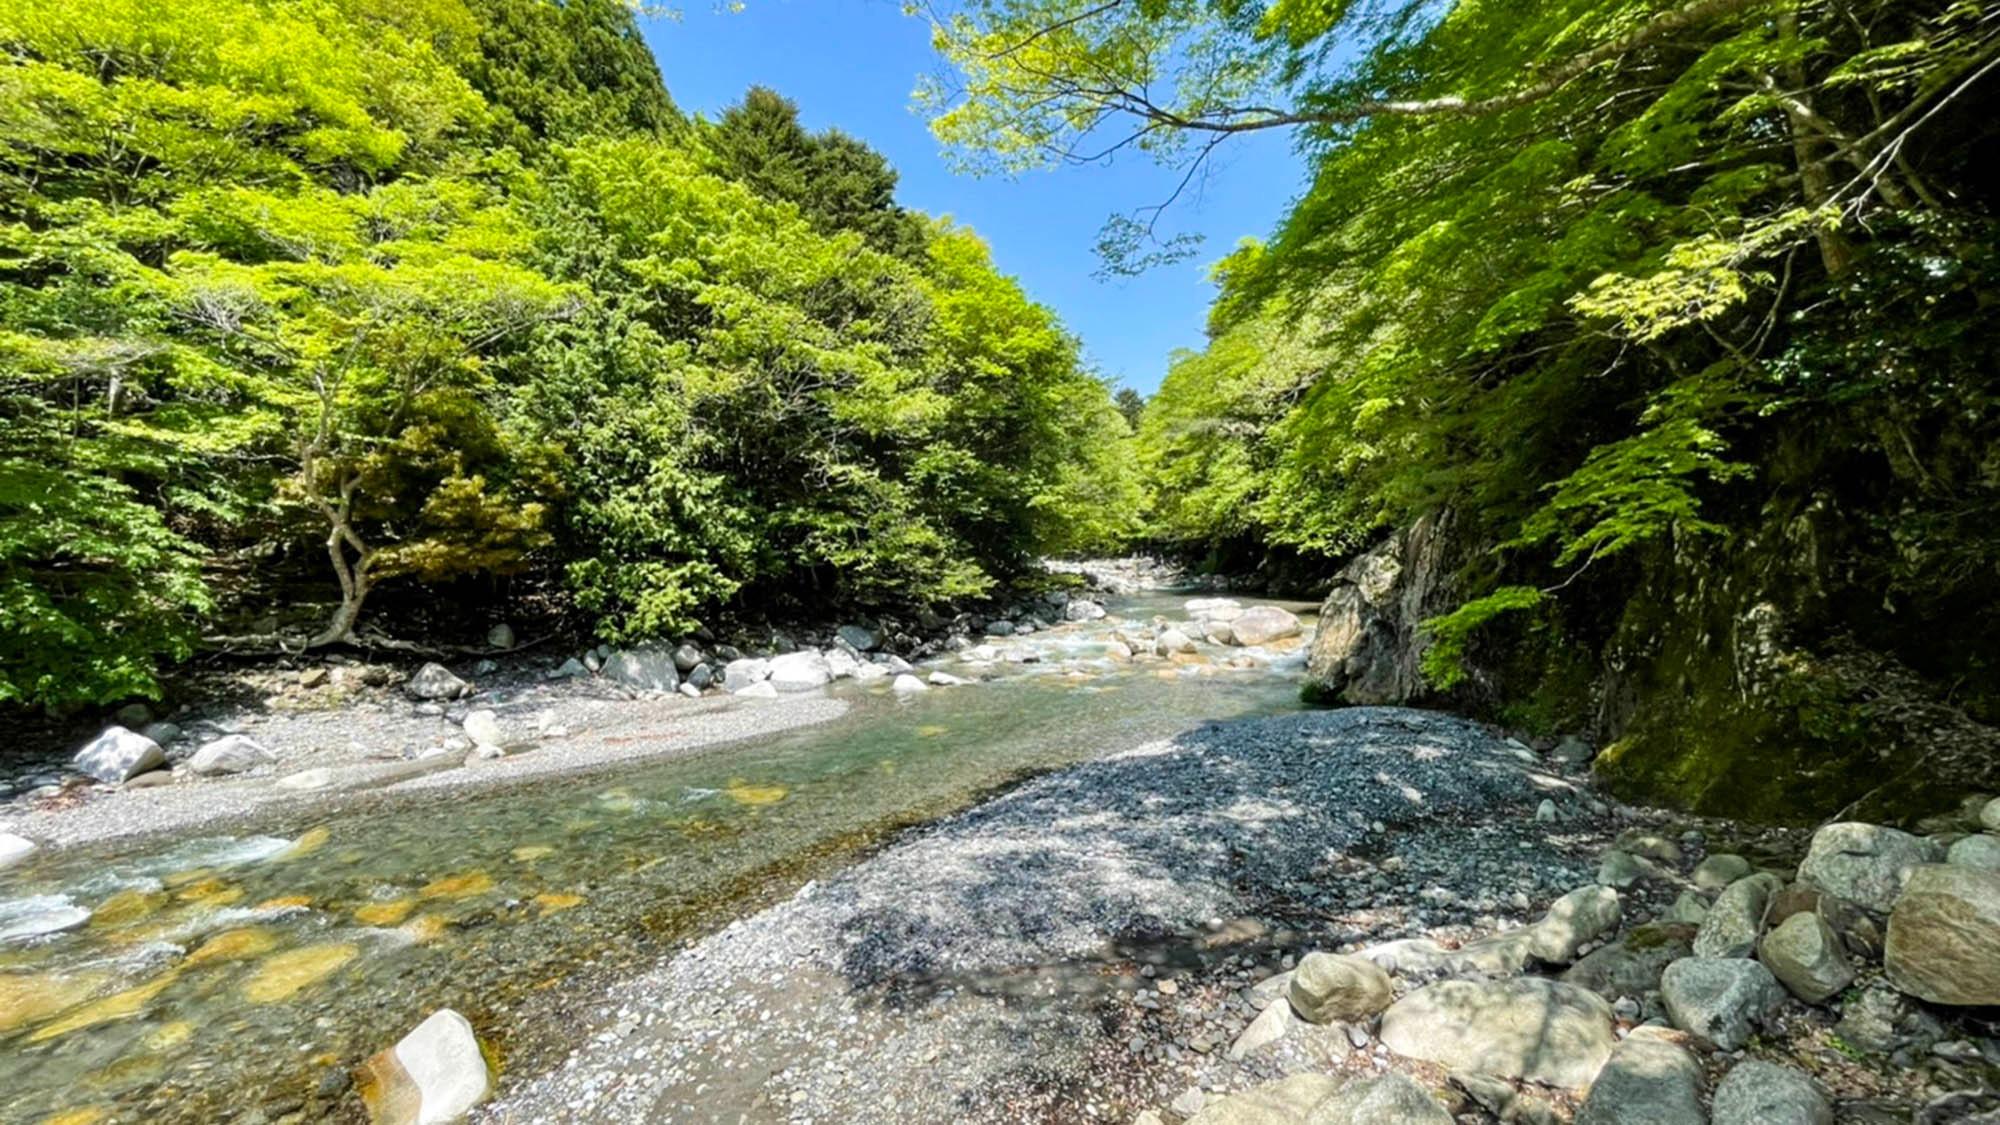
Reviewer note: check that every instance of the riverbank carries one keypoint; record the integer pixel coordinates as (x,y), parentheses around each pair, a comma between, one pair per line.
(1123,941)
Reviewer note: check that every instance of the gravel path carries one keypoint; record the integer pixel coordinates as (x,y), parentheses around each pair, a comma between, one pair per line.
(369,742)
(1078,948)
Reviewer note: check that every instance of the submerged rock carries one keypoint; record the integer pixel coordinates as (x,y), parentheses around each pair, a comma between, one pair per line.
(436,1073)
(1260,625)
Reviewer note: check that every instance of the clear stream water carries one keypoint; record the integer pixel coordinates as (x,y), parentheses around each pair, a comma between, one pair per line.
(244,976)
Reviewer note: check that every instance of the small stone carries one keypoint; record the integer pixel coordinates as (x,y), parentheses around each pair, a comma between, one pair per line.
(1545,813)
(1736,917)
(1806,956)
(500,636)
(1764,1093)
(1270,1026)
(1619,869)
(1581,916)
(907,684)
(1868,1022)
(434,682)
(1189,1102)
(233,753)
(1689,908)
(1648,1080)
(1718,871)
(1989,815)
(687,658)
(1330,986)
(1719,999)
(314,676)
(858,637)
(1981,852)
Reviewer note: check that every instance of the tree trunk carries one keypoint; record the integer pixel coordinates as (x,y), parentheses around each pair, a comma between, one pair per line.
(1814,181)
(354,583)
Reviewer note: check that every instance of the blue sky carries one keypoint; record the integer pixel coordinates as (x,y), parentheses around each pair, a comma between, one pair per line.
(851,64)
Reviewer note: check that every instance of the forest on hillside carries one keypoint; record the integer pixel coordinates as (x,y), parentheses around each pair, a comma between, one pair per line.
(308,309)
(1668,326)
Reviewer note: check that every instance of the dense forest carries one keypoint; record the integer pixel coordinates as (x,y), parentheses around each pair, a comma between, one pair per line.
(309,307)
(1670,325)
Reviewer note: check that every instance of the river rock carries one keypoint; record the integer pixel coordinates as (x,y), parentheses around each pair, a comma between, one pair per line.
(1718,871)
(1260,625)
(1171,641)
(162,732)
(1866,863)
(1002,628)
(434,1074)
(1386,1099)
(841,663)
(906,684)
(1944,936)
(1631,966)
(1736,917)
(688,657)
(1583,915)
(1527,1027)
(1989,815)
(434,681)
(484,728)
(14,849)
(643,669)
(568,669)
(1270,1026)
(232,753)
(743,671)
(799,671)
(1331,986)
(945,679)
(1807,957)
(118,754)
(1082,609)
(762,689)
(1763,1093)
(1621,869)
(700,677)
(1981,852)
(1870,1022)
(1287,1101)
(1690,908)
(858,637)
(1648,1080)
(1719,999)
(500,635)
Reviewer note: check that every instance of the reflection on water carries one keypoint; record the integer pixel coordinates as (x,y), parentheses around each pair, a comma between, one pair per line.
(215,976)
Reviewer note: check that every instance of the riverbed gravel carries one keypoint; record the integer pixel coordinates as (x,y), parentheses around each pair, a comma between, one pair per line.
(578,730)
(1084,945)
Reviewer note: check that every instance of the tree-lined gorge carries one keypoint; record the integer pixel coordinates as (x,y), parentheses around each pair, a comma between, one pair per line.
(1654,338)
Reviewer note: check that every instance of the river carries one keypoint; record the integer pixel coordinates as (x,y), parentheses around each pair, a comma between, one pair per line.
(232,974)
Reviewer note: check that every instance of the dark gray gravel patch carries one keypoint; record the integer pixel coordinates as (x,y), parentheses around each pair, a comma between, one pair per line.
(986,968)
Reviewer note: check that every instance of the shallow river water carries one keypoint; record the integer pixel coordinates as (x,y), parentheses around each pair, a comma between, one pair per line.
(243,976)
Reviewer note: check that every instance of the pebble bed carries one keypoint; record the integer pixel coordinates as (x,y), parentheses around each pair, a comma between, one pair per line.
(1088,943)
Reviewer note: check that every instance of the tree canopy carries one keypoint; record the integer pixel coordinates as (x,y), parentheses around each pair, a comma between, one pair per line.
(308,305)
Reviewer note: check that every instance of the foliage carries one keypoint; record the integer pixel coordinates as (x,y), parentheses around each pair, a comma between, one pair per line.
(418,293)
(1630,286)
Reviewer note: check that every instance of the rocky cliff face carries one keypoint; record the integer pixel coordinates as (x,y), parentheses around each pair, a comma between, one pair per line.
(1368,645)
(1731,680)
